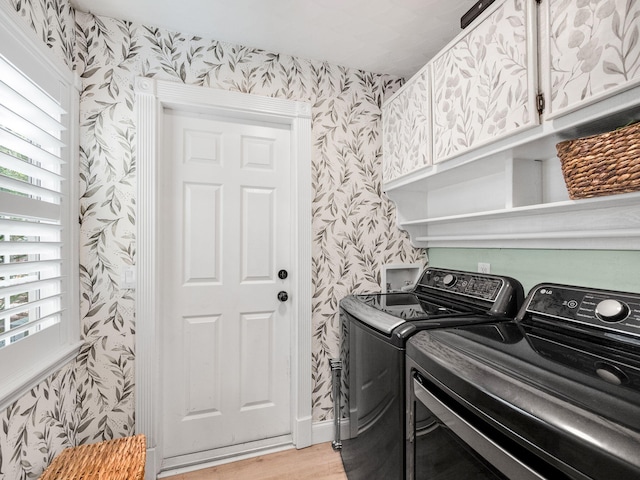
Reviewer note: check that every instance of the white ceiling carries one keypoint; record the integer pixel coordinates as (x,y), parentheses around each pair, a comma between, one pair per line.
(382,36)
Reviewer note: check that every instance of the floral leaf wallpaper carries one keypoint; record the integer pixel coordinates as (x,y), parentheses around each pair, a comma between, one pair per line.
(351,218)
(594,46)
(40,425)
(354,229)
(54,23)
(406,129)
(481,84)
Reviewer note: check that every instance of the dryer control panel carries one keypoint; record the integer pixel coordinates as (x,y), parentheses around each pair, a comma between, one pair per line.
(480,286)
(616,311)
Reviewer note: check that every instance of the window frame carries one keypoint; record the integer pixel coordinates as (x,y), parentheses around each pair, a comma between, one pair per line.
(59,344)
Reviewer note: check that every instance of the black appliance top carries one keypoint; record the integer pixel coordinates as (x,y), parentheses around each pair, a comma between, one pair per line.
(408,306)
(439,294)
(562,381)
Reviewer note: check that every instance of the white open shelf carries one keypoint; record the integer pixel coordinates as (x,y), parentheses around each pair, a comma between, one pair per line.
(512,193)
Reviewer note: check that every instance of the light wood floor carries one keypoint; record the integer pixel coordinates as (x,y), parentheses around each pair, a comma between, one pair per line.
(318,462)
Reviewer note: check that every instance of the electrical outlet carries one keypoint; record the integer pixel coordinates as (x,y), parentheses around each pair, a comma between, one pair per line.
(484,267)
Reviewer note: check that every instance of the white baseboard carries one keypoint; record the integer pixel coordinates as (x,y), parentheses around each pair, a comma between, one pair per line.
(322,432)
(302,431)
(151,465)
(200,460)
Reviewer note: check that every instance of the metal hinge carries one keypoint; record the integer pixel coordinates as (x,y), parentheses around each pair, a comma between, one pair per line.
(540,101)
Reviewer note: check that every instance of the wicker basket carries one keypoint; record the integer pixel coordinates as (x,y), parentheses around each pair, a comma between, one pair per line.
(120,459)
(603,164)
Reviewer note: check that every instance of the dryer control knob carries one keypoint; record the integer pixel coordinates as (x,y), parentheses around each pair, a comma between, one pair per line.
(612,311)
(449,280)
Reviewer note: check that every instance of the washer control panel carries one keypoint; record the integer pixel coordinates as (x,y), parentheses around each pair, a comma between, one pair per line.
(611,310)
(483,287)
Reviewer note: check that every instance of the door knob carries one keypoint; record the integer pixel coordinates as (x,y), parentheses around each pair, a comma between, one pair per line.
(282,274)
(283,296)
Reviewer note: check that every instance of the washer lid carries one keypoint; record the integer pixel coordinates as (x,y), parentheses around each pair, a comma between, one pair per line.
(370,315)
(386,311)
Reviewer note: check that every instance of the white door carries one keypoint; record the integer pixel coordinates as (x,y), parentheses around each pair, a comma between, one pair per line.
(225,227)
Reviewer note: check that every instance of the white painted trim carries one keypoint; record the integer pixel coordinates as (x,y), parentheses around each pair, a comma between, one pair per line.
(323,432)
(301,371)
(23,49)
(151,97)
(194,468)
(146,374)
(43,370)
(24,34)
(219,456)
(600,223)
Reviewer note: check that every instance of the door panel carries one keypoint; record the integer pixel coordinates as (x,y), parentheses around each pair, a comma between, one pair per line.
(225,232)
(202,146)
(257,153)
(202,367)
(255,360)
(202,231)
(258,222)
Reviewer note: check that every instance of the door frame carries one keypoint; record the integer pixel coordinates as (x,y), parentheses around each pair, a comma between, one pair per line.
(151,97)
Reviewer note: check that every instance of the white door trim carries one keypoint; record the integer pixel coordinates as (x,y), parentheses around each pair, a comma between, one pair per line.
(151,97)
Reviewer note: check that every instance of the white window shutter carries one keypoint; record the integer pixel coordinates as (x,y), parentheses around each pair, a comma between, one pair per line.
(31,183)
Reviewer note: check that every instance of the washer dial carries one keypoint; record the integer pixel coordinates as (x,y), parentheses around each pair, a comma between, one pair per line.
(612,311)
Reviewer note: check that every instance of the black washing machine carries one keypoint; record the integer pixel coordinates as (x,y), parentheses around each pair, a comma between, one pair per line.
(552,395)
(375,329)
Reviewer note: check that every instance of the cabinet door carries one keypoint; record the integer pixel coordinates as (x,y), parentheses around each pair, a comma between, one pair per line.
(485,80)
(591,50)
(406,129)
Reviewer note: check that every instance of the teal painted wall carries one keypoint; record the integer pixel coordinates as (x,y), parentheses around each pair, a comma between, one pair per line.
(613,270)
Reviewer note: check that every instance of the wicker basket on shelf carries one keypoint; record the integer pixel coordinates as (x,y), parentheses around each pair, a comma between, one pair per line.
(603,164)
(120,459)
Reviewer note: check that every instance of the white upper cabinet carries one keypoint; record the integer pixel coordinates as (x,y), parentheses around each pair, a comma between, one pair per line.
(406,131)
(484,82)
(495,180)
(590,50)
